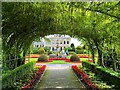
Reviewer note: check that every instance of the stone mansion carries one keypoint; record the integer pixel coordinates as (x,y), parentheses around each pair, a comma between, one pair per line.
(56,42)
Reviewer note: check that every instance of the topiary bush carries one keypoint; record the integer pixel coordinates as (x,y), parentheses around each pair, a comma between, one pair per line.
(9,79)
(42,51)
(79,51)
(52,56)
(74,57)
(43,58)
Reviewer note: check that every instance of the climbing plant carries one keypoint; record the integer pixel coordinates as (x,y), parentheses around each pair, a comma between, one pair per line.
(97,23)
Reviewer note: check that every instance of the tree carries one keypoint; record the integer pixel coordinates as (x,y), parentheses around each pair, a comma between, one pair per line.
(95,23)
(73,47)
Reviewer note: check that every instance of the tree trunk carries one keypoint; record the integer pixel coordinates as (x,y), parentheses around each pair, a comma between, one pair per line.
(114,60)
(23,59)
(100,62)
(93,56)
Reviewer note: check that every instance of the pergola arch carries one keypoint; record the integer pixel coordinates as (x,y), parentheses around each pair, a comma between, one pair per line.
(25,21)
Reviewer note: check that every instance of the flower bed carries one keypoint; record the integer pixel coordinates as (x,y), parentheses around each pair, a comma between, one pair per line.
(83,56)
(23,78)
(33,56)
(90,61)
(96,79)
(67,60)
(45,61)
(34,80)
(84,78)
(107,75)
(58,59)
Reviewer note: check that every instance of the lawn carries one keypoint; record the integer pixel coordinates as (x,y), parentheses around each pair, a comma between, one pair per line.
(58,62)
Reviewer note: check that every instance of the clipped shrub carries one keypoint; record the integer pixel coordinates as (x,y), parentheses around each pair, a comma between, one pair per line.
(46,53)
(42,51)
(74,57)
(8,79)
(43,58)
(110,76)
(79,51)
(52,56)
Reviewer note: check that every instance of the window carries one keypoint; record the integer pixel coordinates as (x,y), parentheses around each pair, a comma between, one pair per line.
(57,41)
(64,42)
(60,42)
(52,48)
(52,42)
(67,42)
(61,48)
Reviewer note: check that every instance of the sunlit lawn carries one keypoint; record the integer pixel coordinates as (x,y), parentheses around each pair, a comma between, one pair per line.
(31,59)
(58,62)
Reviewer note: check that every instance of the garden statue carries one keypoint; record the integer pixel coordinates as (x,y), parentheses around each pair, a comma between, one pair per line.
(63,54)
(67,52)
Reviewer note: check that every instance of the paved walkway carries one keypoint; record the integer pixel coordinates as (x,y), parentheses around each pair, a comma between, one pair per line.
(59,76)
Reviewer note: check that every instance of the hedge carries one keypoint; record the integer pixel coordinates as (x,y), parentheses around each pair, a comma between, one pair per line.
(10,78)
(110,76)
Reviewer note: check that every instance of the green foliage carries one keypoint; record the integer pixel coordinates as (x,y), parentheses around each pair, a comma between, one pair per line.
(73,47)
(96,79)
(43,58)
(85,51)
(72,52)
(105,74)
(96,23)
(36,50)
(8,79)
(68,48)
(79,47)
(46,48)
(42,51)
(49,52)
(79,51)
(74,57)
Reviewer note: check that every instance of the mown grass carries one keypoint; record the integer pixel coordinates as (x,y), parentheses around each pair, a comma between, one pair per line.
(31,59)
(58,62)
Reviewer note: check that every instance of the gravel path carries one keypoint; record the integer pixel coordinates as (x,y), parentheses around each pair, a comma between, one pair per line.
(59,76)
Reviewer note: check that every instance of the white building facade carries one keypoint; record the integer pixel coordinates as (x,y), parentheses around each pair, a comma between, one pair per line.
(38,44)
(56,42)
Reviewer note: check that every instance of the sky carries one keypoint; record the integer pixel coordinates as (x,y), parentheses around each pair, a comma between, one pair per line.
(75,41)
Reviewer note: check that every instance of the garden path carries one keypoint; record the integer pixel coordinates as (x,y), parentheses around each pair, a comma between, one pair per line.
(59,76)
